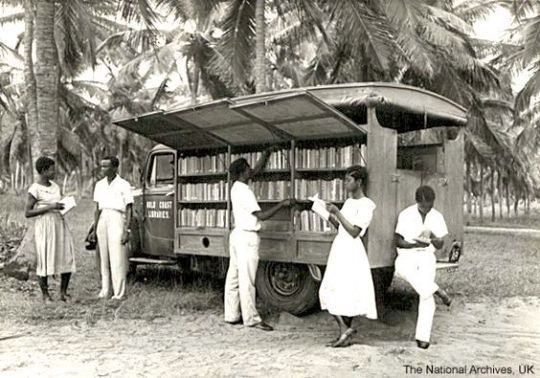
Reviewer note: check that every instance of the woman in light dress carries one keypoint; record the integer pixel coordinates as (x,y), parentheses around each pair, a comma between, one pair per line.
(347,287)
(54,243)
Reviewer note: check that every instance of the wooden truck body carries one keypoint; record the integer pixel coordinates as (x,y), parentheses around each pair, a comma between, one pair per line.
(405,136)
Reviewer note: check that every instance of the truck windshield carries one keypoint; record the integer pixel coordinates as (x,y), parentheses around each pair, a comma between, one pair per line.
(162,170)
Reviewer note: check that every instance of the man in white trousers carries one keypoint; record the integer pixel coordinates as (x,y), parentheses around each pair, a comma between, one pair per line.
(420,230)
(114,202)
(244,245)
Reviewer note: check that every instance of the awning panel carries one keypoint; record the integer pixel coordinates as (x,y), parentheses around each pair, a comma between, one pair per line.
(241,134)
(310,113)
(315,127)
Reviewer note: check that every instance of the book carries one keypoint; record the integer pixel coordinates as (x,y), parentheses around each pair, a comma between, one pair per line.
(319,207)
(69,203)
(276,161)
(330,157)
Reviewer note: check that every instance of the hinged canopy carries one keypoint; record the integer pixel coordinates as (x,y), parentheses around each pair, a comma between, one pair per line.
(337,111)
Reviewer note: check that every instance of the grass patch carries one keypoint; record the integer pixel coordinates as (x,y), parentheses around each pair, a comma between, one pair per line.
(492,267)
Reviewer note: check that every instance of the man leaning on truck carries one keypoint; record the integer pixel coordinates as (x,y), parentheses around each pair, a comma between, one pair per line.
(244,245)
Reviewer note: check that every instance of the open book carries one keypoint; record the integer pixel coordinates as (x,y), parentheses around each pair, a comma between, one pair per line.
(319,207)
(69,203)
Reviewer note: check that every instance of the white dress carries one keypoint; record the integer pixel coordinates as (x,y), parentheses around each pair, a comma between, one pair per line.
(347,286)
(54,243)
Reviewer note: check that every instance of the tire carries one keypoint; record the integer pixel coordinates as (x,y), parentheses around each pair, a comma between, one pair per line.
(287,287)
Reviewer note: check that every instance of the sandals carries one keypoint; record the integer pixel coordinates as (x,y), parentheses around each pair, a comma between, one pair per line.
(344,339)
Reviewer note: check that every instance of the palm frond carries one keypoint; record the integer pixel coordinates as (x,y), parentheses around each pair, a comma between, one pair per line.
(368,27)
(236,44)
(11,18)
(476,10)
(5,49)
(528,92)
(140,11)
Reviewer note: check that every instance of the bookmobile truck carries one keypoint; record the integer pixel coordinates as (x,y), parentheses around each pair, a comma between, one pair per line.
(405,136)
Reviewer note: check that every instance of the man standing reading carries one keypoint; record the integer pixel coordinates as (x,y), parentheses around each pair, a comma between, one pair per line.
(244,245)
(420,230)
(114,202)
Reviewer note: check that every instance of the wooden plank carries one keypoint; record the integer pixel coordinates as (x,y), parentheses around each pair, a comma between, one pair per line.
(452,206)
(315,252)
(382,189)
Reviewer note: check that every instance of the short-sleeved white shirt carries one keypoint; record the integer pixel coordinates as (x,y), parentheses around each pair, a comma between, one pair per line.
(45,195)
(116,195)
(410,226)
(244,204)
(359,212)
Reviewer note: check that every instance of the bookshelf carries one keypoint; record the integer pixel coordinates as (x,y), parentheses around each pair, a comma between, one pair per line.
(298,171)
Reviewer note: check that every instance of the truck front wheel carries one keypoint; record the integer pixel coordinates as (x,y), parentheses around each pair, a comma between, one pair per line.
(288,287)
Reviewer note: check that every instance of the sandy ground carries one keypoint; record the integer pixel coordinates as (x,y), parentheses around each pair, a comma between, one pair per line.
(496,335)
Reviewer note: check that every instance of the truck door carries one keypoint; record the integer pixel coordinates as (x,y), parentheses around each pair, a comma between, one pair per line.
(158,204)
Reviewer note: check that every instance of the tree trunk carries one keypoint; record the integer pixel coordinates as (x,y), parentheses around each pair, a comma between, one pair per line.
(492,194)
(507,185)
(30,89)
(47,78)
(516,200)
(500,194)
(42,113)
(260,50)
(468,189)
(481,196)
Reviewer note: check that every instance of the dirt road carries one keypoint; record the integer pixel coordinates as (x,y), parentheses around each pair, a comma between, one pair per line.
(489,335)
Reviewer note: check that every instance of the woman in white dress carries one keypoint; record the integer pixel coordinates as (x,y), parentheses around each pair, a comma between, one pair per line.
(347,287)
(54,243)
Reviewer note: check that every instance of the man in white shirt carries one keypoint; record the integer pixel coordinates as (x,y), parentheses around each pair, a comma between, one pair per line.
(114,202)
(244,245)
(420,230)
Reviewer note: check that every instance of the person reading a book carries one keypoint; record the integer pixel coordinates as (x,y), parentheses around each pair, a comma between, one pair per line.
(53,239)
(114,203)
(419,231)
(347,287)
(239,306)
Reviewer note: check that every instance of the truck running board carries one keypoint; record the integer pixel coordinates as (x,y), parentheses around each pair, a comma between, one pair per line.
(447,265)
(144,260)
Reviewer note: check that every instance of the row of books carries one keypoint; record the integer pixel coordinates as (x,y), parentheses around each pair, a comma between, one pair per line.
(271,190)
(326,157)
(329,190)
(277,159)
(308,221)
(202,164)
(329,157)
(206,191)
(204,218)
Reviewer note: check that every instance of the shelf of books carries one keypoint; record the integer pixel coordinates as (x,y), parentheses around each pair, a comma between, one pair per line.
(298,171)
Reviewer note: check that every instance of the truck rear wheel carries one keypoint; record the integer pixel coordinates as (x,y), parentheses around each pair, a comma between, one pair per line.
(288,287)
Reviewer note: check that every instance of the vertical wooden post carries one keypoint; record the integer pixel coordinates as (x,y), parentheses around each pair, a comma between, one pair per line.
(382,189)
